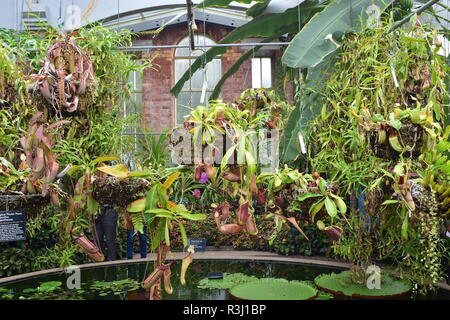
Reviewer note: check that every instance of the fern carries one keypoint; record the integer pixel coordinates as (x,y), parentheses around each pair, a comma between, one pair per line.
(138,222)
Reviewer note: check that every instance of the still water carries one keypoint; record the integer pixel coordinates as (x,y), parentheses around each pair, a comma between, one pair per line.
(197,271)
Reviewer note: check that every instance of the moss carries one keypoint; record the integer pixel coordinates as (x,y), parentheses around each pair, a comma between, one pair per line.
(340,284)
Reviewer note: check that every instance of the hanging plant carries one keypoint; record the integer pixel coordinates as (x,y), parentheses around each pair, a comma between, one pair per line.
(380,122)
(37,145)
(66,80)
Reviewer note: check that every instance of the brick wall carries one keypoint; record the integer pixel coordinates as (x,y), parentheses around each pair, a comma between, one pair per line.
(158,105)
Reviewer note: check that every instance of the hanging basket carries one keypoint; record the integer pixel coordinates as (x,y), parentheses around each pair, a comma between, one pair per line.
(87,246)
(118,192)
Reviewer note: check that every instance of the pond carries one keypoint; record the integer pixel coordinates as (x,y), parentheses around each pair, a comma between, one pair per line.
(101,283)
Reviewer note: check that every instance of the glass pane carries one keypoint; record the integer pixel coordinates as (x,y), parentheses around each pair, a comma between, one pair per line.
(138,101)
(197,78)
(137,80)
(256,72)
(183,104)
(266,68)
(181,65)
(198,40)
(213,72)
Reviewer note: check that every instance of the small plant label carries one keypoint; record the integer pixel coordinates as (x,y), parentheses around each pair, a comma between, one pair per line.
(12,226)
(199,244)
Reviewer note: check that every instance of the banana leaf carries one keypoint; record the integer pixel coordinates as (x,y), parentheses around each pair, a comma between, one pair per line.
(310,46)
(258,8)
(261,26)
(306,109)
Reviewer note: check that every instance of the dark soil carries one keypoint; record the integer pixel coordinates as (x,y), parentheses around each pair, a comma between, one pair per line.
(410,135)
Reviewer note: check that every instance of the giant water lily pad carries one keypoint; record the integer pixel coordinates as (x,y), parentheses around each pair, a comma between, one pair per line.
(273,289)
(339,284)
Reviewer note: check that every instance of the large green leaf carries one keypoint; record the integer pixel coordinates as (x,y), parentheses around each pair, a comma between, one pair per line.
(192,216)
(104,159)
(331,207)
(443,146)
(136,206)
(183,233)
(151,199)
(119,171)
(306,109)
(161,213)
(143,173)
(261,26)
(258,8)
(310,46)
(307,196)
(316,207)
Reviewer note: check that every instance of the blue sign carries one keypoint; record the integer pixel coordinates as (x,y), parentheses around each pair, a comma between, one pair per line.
(199,244)
(12,226)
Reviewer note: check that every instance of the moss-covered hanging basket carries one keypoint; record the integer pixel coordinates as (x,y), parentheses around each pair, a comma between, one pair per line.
(18,202)
(340,284)
(273,289)
(118,192)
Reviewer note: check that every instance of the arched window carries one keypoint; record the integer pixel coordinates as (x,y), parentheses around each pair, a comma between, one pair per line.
(191,93)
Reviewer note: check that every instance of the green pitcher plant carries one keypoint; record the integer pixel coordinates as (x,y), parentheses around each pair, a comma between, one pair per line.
(159,214)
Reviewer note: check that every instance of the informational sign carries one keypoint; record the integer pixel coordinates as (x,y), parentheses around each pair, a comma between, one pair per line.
(199,244)
(12,226)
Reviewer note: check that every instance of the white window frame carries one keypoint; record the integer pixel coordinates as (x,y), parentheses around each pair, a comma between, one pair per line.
(198,38)
(258,72)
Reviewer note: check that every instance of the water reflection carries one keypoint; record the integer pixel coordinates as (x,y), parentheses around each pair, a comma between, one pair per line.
(197,271)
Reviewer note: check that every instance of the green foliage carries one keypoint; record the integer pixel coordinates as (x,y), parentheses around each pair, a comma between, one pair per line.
(289,242)
(92,132)
(104,288)
(371,135)
(50,290)
(160,213)
(9,135)
(112,67)
(310,45)
(15,261)
(102,138)
(152,150)
(207,230)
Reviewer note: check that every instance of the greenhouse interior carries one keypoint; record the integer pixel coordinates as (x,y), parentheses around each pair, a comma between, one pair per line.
(224,150)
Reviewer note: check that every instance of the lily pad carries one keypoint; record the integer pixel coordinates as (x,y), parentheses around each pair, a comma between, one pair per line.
(339,284)
(273,289)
